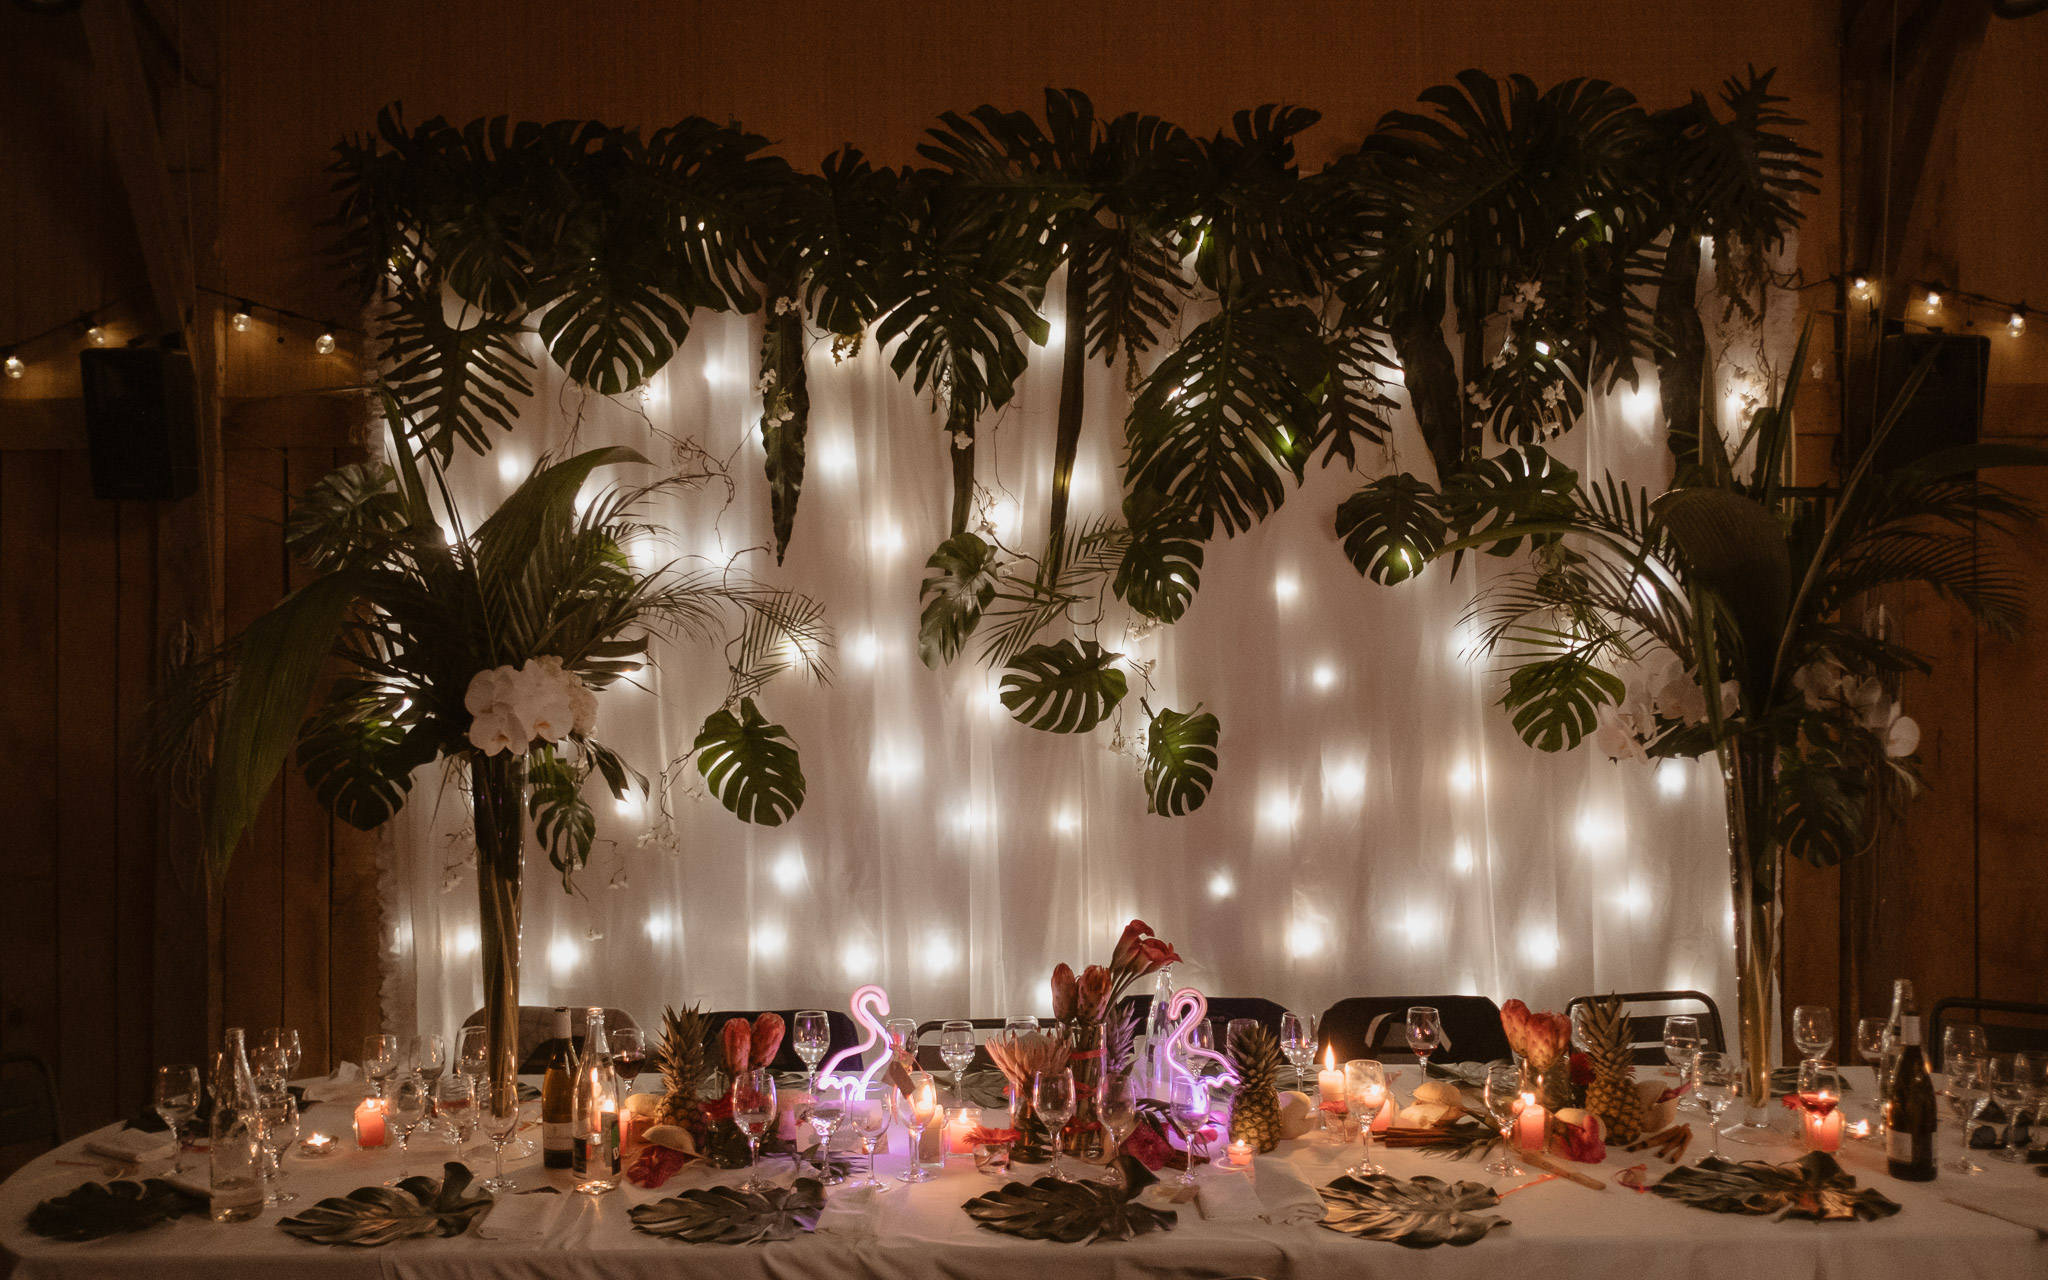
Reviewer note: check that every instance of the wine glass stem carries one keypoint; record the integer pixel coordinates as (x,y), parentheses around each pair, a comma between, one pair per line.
(497,1161)
(753,1158)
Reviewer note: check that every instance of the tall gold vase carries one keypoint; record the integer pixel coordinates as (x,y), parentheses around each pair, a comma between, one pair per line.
(497,787)
(1757,878)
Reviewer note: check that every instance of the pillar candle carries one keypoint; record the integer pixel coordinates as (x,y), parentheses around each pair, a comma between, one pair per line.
(1823,1132)
(1240,1152)
(1330,1080)
(961,1121)
(370,1122)
(1532,1123)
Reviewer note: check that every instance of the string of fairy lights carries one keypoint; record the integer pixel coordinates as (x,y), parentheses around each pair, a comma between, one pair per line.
(87,330)
(1930,301)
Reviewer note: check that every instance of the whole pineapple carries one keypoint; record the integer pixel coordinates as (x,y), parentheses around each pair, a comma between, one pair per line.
(1255,1112)
(1612,1096)
(680,1058)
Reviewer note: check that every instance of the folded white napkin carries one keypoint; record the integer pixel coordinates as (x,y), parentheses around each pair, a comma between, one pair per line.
(1227,1196)
(521,1217)
(1288,1198)
(345,1085)
(130,1146)
(849,1213)
(2023,1207)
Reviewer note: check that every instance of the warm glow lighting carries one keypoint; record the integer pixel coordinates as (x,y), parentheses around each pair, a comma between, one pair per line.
(2016,324)
(1278,811)
(1634,899)
(240,321)
(659,927)
(1055,331)
(1540,946)
(1286,587)
(628,805)
(940,955)
(1007,517)
(15,368)
(857,959)
(835,456)
(563,955)
(770,939)
(1542,348)
(466,941)
(1671,779)
(1463,778)
(866,649)
(893,764)
(1323,676)
(509,469)
(1639,406)
(886,539)
(1861,284)
(788,871)
(1221,886)
(1598,832)
(324,344)
(1343,782)
(1461,857)
(714,373)
(970,818)
(1933,300)
(1305,938)
(1066,822)
(96,336)
(1418,924)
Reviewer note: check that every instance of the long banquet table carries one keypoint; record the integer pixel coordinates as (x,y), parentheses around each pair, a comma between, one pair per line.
(1558,1229)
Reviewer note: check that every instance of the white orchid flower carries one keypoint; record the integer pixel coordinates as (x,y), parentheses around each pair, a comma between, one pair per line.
(1901,735)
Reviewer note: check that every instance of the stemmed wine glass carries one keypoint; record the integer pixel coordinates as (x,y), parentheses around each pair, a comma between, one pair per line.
(455,1107)
(956,1046)
(1425,1034)
(1052,1095)
(177,1101)
(753,1110)
(902,1034)
(1681,1042)
(499,1119)
(812,1034)
(408,1107)
(1718,1080)
(2004,1081)
(871,1107)
(1116,1106)
(917,1107)
(1813,1029)
(1966,1092)
(278,1113)
(1503,1090)
(1960,1040)
(629,1055)
(1298,1042)
(284,1047)
(1018,1024)
(429,1053)
(1365,1092)
(380,1061)
(826,1113)
(1187,1105)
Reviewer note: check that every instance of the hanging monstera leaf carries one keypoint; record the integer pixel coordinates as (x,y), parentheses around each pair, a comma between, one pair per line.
(358,758)
(1391,528)
(1555,703)
(728,1215)
(1518,486)
(1162,564)
(1180,761)
(1072,1212)
(1064,687)
(96,1210)
(1417,1213)
(455,384)
(563,820)
(750,765)
(1813,1187)
(371,1216)
(954,597)
(785,416)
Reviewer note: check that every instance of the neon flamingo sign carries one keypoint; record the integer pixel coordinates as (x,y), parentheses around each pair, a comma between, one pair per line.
(1186,1008)
(869,1005)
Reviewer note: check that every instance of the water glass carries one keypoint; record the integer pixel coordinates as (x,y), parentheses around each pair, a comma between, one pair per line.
(1187,1105)
(177,1101)
(282,1044)
(1964,1088)
(380,1062)
(2006,1081)
(473,1054)
(1116,1106)
(1503,1091)
(408,1108)
(1961,1040)
(1813,1029)
(499,1119)
(1052,1096)
(825,1114)
(429,1057)
(455,1108)
(812,1035)
(1365,1092)
(279,1113)
(1018,1024)
(1298,1042)
(871,1107)
(956,1047)
(1682,1040)
(1719,1079)
(753,1111)
(918,1108)
(1425,1034)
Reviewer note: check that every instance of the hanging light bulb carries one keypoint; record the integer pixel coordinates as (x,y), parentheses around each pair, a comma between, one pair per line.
(239,321)
(1933,300)
(1861,284)
(15,368)
(324,344)
(2016,324)
(96,336)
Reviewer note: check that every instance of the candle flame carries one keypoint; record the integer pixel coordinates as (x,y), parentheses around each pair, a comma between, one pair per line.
(1330,1058)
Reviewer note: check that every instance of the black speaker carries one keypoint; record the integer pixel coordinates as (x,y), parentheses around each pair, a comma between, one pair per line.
(141,414)
(1947,408)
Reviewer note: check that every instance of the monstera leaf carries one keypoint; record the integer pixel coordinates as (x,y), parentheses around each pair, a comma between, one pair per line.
(1064,687)
(96,1210)
(751,765)
(455,383)
(1813,1187)
(1180,761)
(370,1216)
(728,1215)
(1520,485)
(1072,1212)
(954,597)
(358,760)
(1391,528)
(1554,703)
(785,416)
(1416,1213)
(562,819)
(1162,563)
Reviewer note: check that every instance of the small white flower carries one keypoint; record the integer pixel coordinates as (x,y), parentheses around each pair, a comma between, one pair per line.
(766,380)
(1902,737)
(962,439)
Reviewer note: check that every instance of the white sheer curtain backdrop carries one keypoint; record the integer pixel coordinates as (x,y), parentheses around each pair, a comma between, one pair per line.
(1375,827)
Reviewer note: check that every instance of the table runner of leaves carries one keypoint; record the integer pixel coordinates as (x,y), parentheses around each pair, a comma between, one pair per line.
(1073,1212)
(95,1210)
(372,1216)
(728,1215)
(1417,1213)
(1813,1187)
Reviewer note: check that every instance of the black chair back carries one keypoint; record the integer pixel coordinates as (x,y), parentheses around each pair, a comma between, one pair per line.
(928,1058)
(845,1035)
(2002,1037)
(1223,1010)
(1646,1030)
(28,1102)
(1377,1027)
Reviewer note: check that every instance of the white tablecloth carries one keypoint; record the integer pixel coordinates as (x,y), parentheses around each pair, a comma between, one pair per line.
(1559,1229)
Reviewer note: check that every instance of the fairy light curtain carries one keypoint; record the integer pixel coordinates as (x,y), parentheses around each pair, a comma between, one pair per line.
(1375,827)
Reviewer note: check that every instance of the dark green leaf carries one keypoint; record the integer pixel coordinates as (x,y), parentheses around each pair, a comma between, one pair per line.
(1064,687)
(372,1216)
(728,1215)
(785,417)
(1820,808)
(1180,761)
(1814,1187)
(954,597)
(1735,547)
(1554,701)
(607,322)
(358,758)
(1416,1213)
(1518,486)
(1069,1212)
(562,818)
(95,1210)
(351,515)
(750,765)
(1162,564)
(1391,528)
(455,384)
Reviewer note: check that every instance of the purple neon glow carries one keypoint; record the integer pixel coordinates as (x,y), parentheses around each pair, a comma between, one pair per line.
(870,1005)
(1196,1006)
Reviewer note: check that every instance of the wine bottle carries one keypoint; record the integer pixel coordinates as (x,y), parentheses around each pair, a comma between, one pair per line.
(594,1131)
(1902,996)
(1909,1116)
(558,1097)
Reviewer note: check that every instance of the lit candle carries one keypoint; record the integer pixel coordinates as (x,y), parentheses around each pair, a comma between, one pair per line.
(960,1122)
(1820,1122)
(1240,1152)
(316,1144)
(1859,1129)
(1532,1124)
(1330,1080)
(370,1122)
(924,1103)
(1381,1107)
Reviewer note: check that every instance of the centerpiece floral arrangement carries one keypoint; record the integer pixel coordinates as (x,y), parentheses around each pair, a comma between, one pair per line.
(1100,1031)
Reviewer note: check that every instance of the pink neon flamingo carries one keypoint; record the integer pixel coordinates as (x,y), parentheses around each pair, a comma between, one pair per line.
(1195,1006)
(870,1005)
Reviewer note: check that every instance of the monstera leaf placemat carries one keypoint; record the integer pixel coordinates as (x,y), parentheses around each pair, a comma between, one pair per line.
(1419,1213)
(1812,1187)
(1073,1212)
(728,1215)
(370,1216)
(97,1209)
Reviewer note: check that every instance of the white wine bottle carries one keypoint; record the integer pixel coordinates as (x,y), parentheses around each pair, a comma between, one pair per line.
(558,1097)
(1909,1115)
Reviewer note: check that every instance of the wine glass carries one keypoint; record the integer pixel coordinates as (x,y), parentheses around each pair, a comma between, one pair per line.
(284,1047)
(1966,1094)
(380,1061)
(902,1034)
(1682,1041)
(826,1113)
(1298,1042)
(1235,1028)
(1018,1024)
(956,1046)
(499,1119)
(812,1035)
(1503,1091)
(1116,1106)
(917,1107)
(1819,1092)
(408,1107)
(629,1055)
(1052,1095)
(753,1110)
(1960,1040)
(1719,1078)
(1425,1035)
(429,1057)
(2006,1080)
(1813,1029)
(1187,1105)
(455,1107)
(279,1113)
(871,1106)
(177,1101)
(1365,1092)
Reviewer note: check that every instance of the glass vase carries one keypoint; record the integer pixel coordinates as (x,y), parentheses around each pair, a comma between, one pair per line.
(1084,1139)
(497,787)
(1749,771)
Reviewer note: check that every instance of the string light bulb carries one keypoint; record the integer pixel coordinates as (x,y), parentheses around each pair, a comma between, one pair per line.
(95,336)
(2015,324)
(324,344)
(240,321)
(1933,300)
(15,368)
(1861,284)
